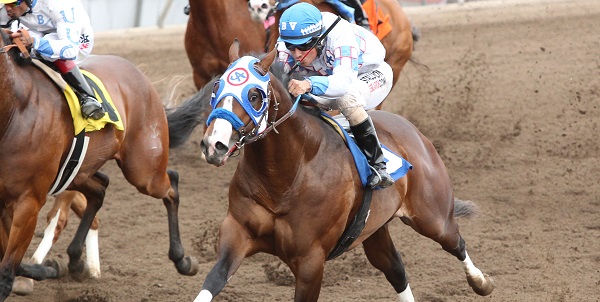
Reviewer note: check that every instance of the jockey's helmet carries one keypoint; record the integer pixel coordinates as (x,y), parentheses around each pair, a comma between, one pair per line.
(300,23)
(18,2)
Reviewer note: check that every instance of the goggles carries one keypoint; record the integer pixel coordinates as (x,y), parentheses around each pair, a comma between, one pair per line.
(13,4)
(302,47)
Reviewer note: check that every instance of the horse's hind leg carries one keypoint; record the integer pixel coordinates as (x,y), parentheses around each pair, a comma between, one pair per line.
(186,265)
(93,190)
(382,254)
(445,231)
(482,284)
(92,251)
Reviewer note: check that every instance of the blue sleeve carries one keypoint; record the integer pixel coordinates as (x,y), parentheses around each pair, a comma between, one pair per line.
(346,11)
(43,47)
(319,84)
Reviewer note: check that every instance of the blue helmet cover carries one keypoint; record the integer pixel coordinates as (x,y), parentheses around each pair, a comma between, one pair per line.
(299,23)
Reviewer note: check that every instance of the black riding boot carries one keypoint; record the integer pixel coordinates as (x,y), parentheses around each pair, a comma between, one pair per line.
(367,141)
(360,16)
(90,107)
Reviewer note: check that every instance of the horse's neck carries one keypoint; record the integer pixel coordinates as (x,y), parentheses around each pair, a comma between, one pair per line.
(9,75)
(12,85)
(289,146)
(220,22)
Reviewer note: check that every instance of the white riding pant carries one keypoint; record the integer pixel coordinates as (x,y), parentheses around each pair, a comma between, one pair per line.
(366,94)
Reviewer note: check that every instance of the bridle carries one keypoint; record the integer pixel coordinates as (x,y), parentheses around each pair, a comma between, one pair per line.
(17,43)
(250,132)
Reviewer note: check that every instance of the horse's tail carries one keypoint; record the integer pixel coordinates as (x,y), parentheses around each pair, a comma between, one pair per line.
(183,119)
(465,208)
(416,36)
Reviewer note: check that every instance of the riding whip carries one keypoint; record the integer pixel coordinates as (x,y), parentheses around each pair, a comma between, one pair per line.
(315,44)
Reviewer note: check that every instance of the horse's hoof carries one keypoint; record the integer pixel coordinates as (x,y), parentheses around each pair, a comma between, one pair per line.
(79,271)
(188,266)
(482,287)
(95,273)
(22,286)
(59,265)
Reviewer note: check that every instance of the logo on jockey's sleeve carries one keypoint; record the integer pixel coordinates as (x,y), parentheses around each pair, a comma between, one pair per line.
(84,41)
(329,59)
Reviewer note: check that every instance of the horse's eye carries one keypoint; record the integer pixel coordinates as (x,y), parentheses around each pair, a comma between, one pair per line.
(249,4)
(264,6)
(255,99)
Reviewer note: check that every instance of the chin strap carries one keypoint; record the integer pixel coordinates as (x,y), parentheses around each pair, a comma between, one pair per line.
(315,44)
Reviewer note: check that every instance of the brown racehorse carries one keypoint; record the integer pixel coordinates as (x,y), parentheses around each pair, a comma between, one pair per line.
(296,188)
(214,24)
(36,134)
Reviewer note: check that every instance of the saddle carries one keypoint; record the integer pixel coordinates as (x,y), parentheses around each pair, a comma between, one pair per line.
(72,163)
(397,166)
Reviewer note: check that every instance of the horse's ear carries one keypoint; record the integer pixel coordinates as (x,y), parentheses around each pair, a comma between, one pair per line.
(234,50)
(267,61)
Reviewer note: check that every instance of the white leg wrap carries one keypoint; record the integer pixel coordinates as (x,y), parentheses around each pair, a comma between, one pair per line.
(471,270)
(92,253)
(406,295)
(46,242)
(204,296)
(352,108)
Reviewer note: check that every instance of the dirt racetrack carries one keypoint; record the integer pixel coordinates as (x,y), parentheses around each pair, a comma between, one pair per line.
(512,103)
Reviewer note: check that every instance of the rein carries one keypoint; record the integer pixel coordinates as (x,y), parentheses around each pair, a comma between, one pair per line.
(17,42)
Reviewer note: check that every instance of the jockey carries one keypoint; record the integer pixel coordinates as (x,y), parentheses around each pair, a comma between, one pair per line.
(60,33)
(345,70)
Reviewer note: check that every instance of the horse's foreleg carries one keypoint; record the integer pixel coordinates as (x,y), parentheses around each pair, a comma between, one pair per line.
(308,271)
(233,247)
(56,220)
(382,254)
(186,265)
(21,229)
(94,190)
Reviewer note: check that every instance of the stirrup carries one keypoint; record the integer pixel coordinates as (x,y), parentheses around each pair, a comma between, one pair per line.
(91,108)
(379,179)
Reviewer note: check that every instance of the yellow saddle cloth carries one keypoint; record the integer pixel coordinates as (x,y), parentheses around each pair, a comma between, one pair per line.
(110,117)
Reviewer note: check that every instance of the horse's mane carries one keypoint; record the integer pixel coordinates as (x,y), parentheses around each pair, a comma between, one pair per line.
(184,118)
(277,69)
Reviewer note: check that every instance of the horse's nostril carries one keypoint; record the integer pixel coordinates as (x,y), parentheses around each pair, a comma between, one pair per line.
(203,147)
(221,148)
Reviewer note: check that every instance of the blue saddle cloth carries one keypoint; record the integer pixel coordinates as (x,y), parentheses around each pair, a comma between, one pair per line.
(396,165)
